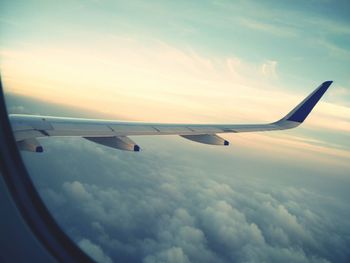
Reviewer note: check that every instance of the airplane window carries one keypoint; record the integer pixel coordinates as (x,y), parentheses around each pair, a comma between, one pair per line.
(185,131)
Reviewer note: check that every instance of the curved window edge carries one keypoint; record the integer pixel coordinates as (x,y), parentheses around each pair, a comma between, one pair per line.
(27,199)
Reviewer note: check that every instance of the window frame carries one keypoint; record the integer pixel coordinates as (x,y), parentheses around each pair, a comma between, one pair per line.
(27,200)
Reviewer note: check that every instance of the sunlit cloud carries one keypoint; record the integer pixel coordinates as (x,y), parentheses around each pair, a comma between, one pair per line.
(284,146)
(339,91)
(278,30)
(268,69)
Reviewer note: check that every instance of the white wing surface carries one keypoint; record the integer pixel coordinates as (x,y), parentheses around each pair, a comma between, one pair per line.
(114,133)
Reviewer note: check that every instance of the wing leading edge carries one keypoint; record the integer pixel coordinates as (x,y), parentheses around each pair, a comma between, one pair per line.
(113,133)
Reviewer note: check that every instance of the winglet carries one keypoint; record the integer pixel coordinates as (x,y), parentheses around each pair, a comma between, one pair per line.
(300,112)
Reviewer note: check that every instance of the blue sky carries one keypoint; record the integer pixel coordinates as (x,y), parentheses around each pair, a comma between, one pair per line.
(277,194)
(298,35)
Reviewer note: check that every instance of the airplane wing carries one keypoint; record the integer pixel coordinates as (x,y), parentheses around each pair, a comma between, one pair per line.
(114,134)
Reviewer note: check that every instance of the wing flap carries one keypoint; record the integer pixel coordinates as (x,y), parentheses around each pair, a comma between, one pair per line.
(71,128)
(132,129)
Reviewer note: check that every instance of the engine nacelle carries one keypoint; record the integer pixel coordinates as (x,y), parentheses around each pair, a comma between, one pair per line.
(122,143)
(212,139)
(30,145)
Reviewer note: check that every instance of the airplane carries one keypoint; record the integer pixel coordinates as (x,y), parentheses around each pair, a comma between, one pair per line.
(28,230)
(27,128)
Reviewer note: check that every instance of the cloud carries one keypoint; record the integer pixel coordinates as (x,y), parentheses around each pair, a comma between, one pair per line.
(268,69)
(340,91)
(76,190)
(274,29)
(159,208)
(340,95)
(334,49)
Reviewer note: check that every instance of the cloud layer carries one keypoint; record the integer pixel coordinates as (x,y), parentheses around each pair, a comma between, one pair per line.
(160,207)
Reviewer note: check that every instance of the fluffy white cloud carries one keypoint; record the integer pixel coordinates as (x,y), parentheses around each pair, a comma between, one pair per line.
(76,190)
(137,209)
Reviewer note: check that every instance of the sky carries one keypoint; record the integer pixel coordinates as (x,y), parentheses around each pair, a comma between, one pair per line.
(268,196)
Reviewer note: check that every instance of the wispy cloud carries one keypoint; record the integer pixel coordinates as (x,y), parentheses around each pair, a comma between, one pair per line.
(307,150)
(328,25)
(334,50)
(274,29)
(340,95)
(269,69)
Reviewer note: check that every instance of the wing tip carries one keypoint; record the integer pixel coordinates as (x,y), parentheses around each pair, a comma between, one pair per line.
(300,113)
